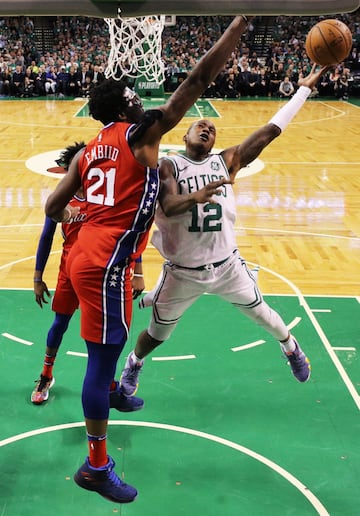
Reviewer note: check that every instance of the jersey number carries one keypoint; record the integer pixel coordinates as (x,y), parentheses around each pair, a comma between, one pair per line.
(102,178)
(211,221)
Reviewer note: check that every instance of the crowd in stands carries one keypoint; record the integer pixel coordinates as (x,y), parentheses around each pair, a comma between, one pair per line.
(81,47)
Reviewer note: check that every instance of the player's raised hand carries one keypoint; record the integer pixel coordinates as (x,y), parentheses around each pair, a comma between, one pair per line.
(313,77)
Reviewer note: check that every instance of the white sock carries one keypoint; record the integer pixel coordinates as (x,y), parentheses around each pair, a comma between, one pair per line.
(289,345)
(134,359)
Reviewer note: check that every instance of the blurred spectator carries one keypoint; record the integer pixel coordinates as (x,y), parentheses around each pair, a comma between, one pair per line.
(276,77)
(50,81)
(86,87)
(73,84)
(324,86)
(286,88)
(341,87)
(17,82)
(61,82)
(5,80)
(40,81)
(82,44)
(263,84)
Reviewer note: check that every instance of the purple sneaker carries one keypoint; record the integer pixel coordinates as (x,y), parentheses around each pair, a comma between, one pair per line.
(129,380)
(105,482)
(299,363)
(123,403)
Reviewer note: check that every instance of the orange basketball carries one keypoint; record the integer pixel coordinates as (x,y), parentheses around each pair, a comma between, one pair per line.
(329,42)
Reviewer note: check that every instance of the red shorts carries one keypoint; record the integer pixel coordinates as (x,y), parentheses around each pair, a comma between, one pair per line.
(105,297)
(65,300)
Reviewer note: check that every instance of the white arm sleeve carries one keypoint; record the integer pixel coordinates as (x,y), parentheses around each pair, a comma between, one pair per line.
(284,116)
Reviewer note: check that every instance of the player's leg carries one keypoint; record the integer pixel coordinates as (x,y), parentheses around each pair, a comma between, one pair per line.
(64,304)
(148,298)
(239,287)
(106,308)
(176,291)
(97,473)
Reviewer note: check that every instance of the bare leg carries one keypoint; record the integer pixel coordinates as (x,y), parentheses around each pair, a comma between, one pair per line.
(145,344)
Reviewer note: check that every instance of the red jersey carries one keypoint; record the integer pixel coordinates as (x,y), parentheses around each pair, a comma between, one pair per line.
(121,195)
(65,300)
(71,229)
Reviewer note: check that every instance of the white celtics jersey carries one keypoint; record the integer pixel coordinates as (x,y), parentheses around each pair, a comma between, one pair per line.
(204,234)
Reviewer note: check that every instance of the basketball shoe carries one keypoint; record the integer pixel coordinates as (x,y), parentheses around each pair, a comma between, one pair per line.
(129,380)
(105,482)
(299,363)
(123,403)
(41,391)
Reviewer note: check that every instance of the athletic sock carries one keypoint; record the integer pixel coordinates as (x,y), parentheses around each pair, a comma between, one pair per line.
(114,386)
(97,450)
(288,345)
(48,366)
(136,360)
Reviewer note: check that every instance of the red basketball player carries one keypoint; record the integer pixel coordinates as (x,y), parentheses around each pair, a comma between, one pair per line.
(119,173)
(65,300)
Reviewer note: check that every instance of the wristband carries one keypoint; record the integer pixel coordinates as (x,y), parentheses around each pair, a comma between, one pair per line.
(138,275)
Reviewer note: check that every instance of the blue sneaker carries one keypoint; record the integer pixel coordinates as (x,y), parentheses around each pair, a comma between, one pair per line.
(129,380)
(299,363)
(105,482)
(123,403)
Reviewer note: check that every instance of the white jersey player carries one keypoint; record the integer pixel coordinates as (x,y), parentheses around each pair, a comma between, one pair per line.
(205,233)
(196,237)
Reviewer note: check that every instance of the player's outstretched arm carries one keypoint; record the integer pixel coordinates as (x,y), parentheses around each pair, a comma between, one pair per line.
(205,71)
(241,155)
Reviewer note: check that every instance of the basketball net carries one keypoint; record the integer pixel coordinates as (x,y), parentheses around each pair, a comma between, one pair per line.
(135,48)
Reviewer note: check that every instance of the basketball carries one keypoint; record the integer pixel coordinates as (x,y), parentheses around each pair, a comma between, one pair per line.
(328,42)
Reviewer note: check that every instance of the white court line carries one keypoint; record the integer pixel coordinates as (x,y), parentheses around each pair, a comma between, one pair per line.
(212,107)
(325,310)
(77,354)
(289,232)
(180,357)
(17,339)
(294,323)
(22,226)
(343,374)
(339,348)
(10,264)
(248,346)
(304,490)
(357,299)
(315,163)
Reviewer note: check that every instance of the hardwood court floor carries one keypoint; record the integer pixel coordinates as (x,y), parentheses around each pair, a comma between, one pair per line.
(214,425)
(298,218)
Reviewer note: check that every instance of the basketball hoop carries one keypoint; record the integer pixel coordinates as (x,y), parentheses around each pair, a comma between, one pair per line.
(135,48)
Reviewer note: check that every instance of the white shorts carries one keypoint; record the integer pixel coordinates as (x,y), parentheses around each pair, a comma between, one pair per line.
(178,288)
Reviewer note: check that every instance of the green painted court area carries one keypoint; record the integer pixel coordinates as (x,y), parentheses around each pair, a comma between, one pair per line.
(201,109)
(226,429)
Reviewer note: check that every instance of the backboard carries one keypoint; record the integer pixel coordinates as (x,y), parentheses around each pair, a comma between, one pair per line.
(111,8)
